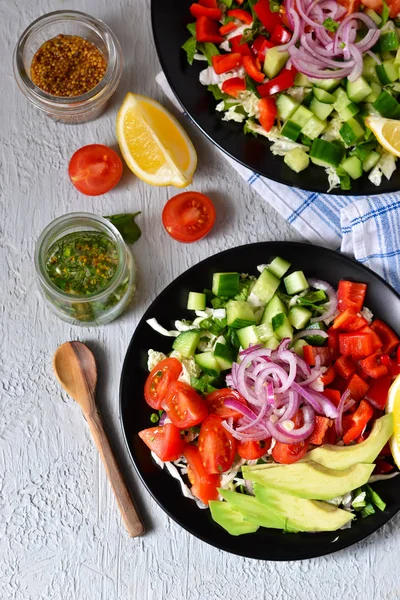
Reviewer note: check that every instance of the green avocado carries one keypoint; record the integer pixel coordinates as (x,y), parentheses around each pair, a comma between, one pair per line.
(229,519)
(310,479)
(303,514)
(343,457)
(252,510)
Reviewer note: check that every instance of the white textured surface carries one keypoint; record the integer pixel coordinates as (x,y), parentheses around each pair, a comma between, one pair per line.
(60,533)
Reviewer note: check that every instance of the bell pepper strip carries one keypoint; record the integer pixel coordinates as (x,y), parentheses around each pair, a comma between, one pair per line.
(322,425)
(333,395)
(260,46)
(250,66)
(357,422)
(234,86)
(241,15)
(268,18)
(280,35)
(351,295)
(382,467)
(378,392)
(198,10)
(268,113)
(237,46)
(281,82)
(349,320)
(207,31)
(328,377)
(372,366)
(225,29)
(345,366)
(392,365)
(377,343)
(311,352)
(223,63)
(333,342)
(389,339)
(356,344)
(357,387)
(209,3)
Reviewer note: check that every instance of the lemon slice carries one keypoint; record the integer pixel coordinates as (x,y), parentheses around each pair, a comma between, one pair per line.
(154,145)
(393,406)
(387,132)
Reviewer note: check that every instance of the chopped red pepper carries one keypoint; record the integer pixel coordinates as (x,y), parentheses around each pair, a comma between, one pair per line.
(333,343)
(356,344)
(223,63)
(260,46)
(280,35)
(382,467)
(207,31)
(241,15)
(268,112)
(328,376)
(225,29)
(249,64)
(198,10)
(372,366)
(357,422)
(391,363)
(389,339)
(377,343)
(357,387)
(234,86)
(209,3)
(378,392)
(345,366)
(333,395)
(322,425)
(349,320)
(237,46)
(351,295)
(281,82)
(311,352)
(268,18)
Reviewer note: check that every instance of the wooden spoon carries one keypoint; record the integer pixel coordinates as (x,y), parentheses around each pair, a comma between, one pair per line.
(75,368)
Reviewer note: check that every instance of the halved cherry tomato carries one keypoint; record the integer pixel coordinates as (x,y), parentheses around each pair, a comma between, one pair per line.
(372,366)
(95,169)
(189,216)
(241,15)
(378,391)
(207,31)
(157,383)
(184,406)
(349,320)
(328,376)
(268,112)
(345,366)
(198,10)
(356,344)
(204,485)
(253,450)
(382,467)
(290,453)
(357,387)
(322,425)
(216,445)
(237,46)
(311,352)
(215,402)
(355,425)
(388,337)
(251,69)
(165,441)
(351,295)
(234,86)
(223,63)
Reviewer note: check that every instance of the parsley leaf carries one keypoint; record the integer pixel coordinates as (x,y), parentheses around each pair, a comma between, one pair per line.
(127,227)
(191,28)
(208,49)
(217,93)
(330,24)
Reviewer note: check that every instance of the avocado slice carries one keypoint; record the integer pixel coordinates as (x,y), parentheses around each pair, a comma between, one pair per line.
(343,457)
(303,514)
(252,510)
(310,479)
(229,519)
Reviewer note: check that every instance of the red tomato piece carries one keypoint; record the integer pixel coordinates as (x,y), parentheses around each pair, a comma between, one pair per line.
(260,47)
(253,450)
(209,3)
(95,169)
(251,69)
(268,112)
(333,395)
(165,441)
(329,376)
(289,453)
(382,467)
(311,352)
(184,406)
(216,445)
(357,387)
(188,217)
(372,366)
(351,295)
(333,343)
(204,485)
(281,82)
(322,425)
(394,6)
(159,379)
(358,421)
(234,86)
(225,29)
(389,339)
(241,15)
(351,5)
(237,46)
(216,403)
(223,63)
(377,393)
(345,366)
(268,18)
(349,320)
(356,344)
(207,31)
(280,35)
(198,10)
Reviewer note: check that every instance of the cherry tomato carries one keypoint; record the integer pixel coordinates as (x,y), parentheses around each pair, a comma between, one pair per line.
(189,216)
(204,485)
(217,446)
(184,406)
(95,169)
(290,453)
(165,441)
(215,402)
(167,371)
(253,450)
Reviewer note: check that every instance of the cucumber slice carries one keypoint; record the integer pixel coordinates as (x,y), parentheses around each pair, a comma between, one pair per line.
(353,166)
(296,159)
(224,355)
(358,90)
(397,57)
(351,132)
(274,61)
(239,314)
(316,340)
(272,343)
(376,90)
(323,96)
(301,116)
(264,331)
(347,112)
(387,72)
(298,346)
(196,301)
(314,128)
(326,154)
(286,106)
(302,81)
(279,266)
(208,363)
(274,307)
(186,342)
(291,130)
(299,316)
(296,283)
(249,336)
(371,160)
(266,286)
(225,284)
(282,327)
(369,72)
(326,84)
(387,106)
(320,110)
(388,42)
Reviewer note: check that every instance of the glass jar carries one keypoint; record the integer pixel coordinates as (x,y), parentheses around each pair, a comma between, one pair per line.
(83,308)
(77,109)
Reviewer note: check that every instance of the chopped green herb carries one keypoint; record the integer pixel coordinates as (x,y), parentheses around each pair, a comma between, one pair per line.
(367,511)
(375,498)
(216,92)
(191,28)
(251,86)
(154,418)
(330,24)
(127,227)
(248,127)
(385,14)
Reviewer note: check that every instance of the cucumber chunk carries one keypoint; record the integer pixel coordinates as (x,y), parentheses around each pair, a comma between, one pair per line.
(323,96)
(302,80)
(286,106)
(264,331)
(316,340)
(239,314)
(224,355)
(320,110)
(325,154)
(186,342)
(282,327)
(272,343)
(291,130)
(314,127)
(279,266)
(369,72)
(371,160)
(326,84)
(208,363)
(353,166)
(351,132)
(274,61)
(249,336)
(301,116)
(387,72)
(358,90)
(389,41)
(225,284)
(196,301)
(296,283)
(296,159)
(299,316)
(274,307)
(266,286)
(347,112)
(376,90)
(387,106)
(298,346)
(373,15)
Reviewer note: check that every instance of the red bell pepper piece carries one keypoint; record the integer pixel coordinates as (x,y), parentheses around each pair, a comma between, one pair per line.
(356,344)
(328,376)
(207,31)
(268,113)
(241,15)
(249,64)
(209,3)
(382,467)
(389,339)
(377,343)
(281,82)
(345,366)
(372,366)
(236,46)
(333,343)
(332,395)
(234,86)
(322,425)
(378,392)
(349,320)
(260,46)
(268,18)
(311,352)
(225,29)
(198,10)
(357,387)
(391,363)
(280,35)
(223,63)
(351,295)
(358,421)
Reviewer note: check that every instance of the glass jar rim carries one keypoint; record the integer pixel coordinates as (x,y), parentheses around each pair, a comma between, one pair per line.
(46,239)
(114,63)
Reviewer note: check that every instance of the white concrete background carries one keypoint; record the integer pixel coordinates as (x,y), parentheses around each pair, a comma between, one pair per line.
(61,536)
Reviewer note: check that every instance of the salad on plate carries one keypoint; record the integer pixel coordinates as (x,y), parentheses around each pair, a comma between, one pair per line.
(318,78)
(270,408)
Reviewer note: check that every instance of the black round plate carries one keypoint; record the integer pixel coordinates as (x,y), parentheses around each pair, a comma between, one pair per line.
(169,19)
(170,305)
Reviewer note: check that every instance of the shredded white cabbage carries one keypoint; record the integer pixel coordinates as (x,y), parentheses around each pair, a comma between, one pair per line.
(153,358)
(250,103)
(184,326)
(254,301)
(239,31)
(232,115)
(333,178)
(154,324)
(225,46)
(332,131)
(367,314)
(297,92)
(173,471)
(189,367)
(387,164)
(198,56)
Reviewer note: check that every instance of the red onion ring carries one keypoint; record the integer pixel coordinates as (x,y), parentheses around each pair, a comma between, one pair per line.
(299,435)
(339,418)
(318,284)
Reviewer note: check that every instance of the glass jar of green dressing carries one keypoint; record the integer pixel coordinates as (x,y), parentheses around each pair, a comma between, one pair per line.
(86,272)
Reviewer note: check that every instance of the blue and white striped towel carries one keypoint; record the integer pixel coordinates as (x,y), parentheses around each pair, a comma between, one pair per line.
(366,228)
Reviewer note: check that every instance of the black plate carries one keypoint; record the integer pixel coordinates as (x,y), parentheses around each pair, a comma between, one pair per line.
(169,19)
(170,305)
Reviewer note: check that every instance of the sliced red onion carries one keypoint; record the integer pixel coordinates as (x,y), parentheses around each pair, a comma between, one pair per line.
(375,57)
(291,408)
(358,60)
(308,397)
(240,407)
(247,437)
(163,418)
(307,332)
(332,303)
(296,33)
(288,357)
(264,409)
(339,418)
(315,373)
(251,349)
(299,435)
(328,408)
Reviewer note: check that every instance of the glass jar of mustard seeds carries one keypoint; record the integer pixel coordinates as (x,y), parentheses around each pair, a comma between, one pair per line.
(96,59)
(85,271)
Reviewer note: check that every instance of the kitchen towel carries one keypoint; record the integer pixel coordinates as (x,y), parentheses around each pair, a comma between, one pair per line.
(366,228)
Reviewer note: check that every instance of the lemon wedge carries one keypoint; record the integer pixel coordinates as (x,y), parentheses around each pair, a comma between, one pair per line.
(393,406)
(154,145)
(387,132)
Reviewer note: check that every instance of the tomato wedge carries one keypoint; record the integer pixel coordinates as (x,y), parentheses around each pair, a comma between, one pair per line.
(167,371)
(216,403)
(290,453)
(184,406)
(253,450)
(95,169)
(217,446)
(165,441)
(204,485)
(189,216)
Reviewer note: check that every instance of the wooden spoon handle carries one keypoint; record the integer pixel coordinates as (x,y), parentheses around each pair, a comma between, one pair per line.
(131,519)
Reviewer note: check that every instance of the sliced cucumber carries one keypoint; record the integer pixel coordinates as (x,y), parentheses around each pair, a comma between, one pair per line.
(301,116)
(208,363)
(296,283)
(286,106)
(274,307)
(299,316)
(274,61)
(323,96)
(388,42)
(272,343)
(358,90)
(387,106)
(296,159)
(186,342)
(320,110)
(225,284)
(302,81)
(352,132)
(316,340)
(298,346)
(266,286)
(196,301)
(279,266)
(326,154)
(239,314)
(314,128)
(387,72)
(249,336)
(264,331)
(371,160)
(225,356)
(369,72)
(282,327)
(376,90)
(353,166)
(347,112)
(291,130)
(326,84)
